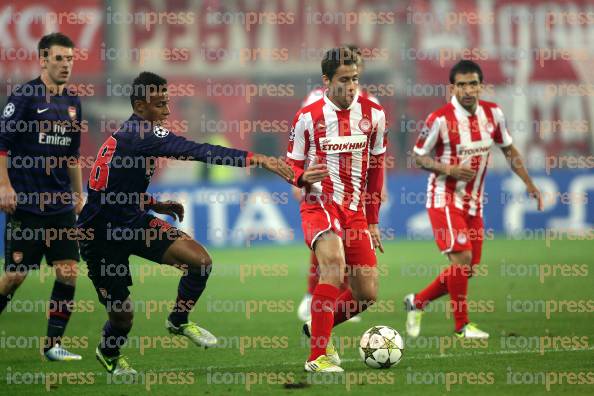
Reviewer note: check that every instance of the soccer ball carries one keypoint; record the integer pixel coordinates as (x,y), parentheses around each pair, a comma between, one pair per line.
(381,347)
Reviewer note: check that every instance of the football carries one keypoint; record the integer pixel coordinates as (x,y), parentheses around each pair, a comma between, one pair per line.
(381,347)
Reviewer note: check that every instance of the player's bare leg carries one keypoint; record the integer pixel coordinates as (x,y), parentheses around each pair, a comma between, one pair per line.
(195,262)
(115,333)
(9,283)
(303,311)
(362,272)
(329,251)
(60,304)
(361,295)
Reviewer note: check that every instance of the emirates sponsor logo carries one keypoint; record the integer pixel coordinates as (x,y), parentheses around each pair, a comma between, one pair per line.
(343,144)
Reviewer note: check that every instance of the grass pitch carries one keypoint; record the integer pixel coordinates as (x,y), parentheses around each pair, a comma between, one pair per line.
(535,300)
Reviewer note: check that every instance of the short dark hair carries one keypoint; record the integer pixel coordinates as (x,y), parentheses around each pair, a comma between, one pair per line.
(48,40)
(145,84)
(357,51)
(463,67)
(336,57)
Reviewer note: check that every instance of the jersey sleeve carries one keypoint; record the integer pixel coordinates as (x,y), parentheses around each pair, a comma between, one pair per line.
(428,137)
(375,183)
(13,112)
(380,141)
(160,142)
(502,137)
(74,149)
(298,145)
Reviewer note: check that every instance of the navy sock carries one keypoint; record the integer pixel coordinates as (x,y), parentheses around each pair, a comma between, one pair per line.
(4,300)
(60,305)
(112,339)
(190,288)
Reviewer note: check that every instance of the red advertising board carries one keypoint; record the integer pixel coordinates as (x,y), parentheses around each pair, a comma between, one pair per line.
(24,22)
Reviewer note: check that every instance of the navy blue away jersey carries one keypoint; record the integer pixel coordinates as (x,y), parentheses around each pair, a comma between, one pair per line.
(125,164)
(41,136)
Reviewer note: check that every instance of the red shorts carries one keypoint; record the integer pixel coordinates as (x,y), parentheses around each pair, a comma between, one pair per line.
(318,217)
(456,231)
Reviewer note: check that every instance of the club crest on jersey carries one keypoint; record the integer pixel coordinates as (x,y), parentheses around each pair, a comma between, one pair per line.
(343,144)
(8,110)
(462,239)
(17,257)
(160,132)
(365,125)
(72,112)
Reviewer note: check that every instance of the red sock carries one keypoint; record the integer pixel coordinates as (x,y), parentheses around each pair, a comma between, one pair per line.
(322,318)
(458,289)
(313,276)
(434,290)
(347,307)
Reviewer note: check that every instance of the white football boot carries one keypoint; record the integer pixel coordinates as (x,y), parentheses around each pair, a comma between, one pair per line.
(59,354)
(471,331)
(304,309)
(413,316)
(323,364)
(199,336)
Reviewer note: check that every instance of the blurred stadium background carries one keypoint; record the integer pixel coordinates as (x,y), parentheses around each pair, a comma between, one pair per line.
(240,69)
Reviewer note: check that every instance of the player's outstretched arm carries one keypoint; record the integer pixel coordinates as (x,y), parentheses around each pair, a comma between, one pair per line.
(514,158)
(272,164)
(162,143)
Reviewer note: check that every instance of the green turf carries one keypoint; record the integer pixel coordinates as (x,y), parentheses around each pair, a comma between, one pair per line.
(511,355)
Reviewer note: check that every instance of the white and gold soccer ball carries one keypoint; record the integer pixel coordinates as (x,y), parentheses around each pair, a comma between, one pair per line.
(381,347)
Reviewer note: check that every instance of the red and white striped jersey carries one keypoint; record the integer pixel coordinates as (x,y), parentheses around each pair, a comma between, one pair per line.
(318,93)
(459,137)
(344,141)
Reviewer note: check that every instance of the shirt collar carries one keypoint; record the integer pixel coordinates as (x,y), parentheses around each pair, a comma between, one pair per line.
(39,81)
(461,109)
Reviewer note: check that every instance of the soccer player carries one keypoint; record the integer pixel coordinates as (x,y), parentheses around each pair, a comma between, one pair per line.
(461,135)
(303,311)
(336,148)
(116,213)
(40,184)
